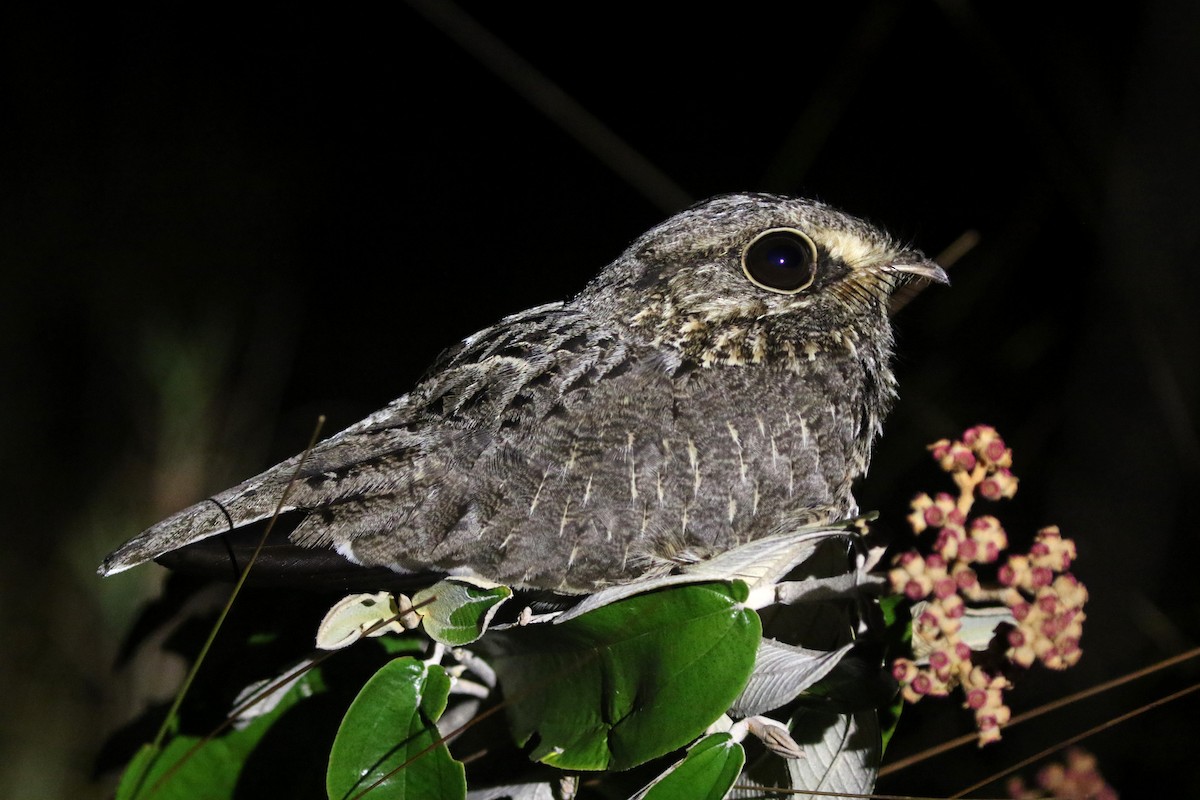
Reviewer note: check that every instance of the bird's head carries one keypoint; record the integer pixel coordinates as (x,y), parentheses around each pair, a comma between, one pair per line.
(747,278)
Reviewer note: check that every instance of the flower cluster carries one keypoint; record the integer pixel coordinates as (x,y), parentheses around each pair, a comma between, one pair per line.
(1038,598)
(1076,780)
(1048,625)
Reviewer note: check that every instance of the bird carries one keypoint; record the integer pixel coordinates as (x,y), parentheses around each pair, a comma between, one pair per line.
(723,380)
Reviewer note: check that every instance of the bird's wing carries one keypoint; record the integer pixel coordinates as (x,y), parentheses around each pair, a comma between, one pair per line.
(382,469)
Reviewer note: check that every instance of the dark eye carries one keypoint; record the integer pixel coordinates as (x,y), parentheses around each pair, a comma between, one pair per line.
(782,260)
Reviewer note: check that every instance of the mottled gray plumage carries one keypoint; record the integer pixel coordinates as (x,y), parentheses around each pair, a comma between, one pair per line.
(670,411)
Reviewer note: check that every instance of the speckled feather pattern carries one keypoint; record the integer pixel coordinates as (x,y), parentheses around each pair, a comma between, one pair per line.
(670,411)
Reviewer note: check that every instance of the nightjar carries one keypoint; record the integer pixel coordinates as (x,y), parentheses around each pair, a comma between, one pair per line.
(721,381)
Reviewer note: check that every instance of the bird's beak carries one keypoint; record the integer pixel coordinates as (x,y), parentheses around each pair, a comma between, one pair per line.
(922,269)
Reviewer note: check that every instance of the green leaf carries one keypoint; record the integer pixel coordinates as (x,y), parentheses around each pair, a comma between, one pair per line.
(890,605)
(455,612)
(214,770)
(631,681)
(889,720)
(897,642)
(707,772)
(388,737)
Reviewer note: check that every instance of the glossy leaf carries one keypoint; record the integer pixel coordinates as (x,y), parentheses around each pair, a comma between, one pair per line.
(388,742)
(631,681)
(457,612)
(706,773)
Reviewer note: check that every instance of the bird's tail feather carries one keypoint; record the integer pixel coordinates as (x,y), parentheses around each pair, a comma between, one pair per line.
(246,503)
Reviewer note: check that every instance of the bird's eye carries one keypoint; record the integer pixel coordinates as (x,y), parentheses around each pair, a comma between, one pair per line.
(780,260)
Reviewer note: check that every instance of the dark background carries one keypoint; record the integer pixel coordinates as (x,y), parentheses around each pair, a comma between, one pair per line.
(216,225)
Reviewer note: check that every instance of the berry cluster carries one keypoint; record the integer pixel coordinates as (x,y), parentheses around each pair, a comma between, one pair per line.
(1044,601)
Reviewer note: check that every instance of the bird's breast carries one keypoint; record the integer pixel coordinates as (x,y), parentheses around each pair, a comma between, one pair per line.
(655,469)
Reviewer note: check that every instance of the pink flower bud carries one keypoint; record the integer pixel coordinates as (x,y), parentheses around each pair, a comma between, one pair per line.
(945,536)
(944,587)
(984,524)
(976,699)
(966,578)
(1042,576)
(968,550)
(903,670)
(920,505)
(957,459)
(1023,656)
(953,606)
(1049,532)
(977,677)
(1002,484)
